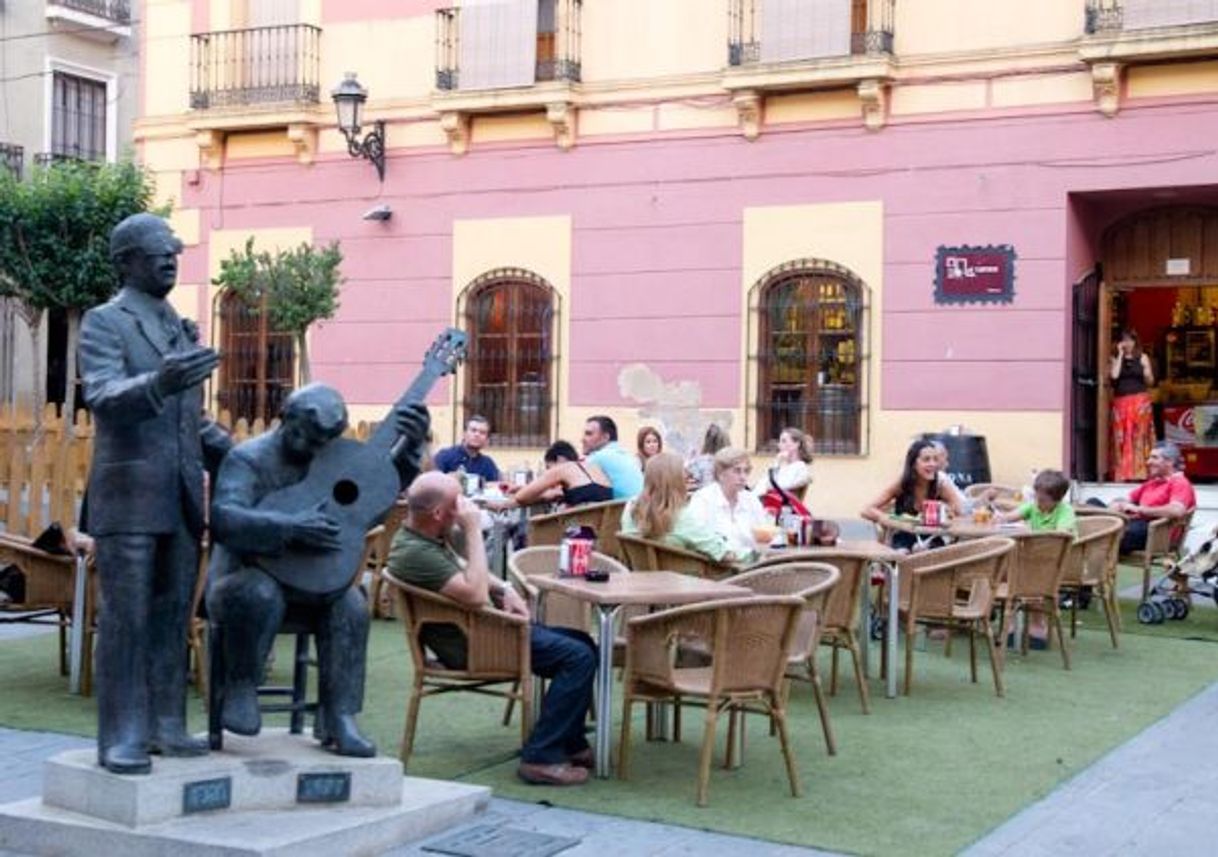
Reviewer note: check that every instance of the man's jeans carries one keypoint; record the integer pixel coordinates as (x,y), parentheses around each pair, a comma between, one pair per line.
(568,659)
(1134,537)
(1136,529)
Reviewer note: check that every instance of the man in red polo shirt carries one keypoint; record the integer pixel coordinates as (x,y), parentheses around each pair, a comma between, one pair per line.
(1166,493)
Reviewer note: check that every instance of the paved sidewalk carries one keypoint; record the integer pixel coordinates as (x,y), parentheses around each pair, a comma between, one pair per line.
(1155,794)
(22,754)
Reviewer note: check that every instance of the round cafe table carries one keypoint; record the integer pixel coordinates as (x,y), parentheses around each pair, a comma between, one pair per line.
(956,529)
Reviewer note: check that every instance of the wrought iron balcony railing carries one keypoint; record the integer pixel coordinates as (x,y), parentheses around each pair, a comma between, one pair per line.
(776,31)
(1107,17)
(260,65)
(12,159)
(492,53)
(45,159)
(118,11)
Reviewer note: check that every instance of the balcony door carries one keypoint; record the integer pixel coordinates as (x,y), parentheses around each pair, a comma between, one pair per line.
(268,54)
(499,41)
(1146,14)
(805,29)
(271,13)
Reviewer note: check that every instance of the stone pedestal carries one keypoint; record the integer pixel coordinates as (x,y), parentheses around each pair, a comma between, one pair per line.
(270,795)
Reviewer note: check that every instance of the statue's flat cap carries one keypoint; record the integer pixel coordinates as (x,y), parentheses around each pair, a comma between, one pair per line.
(145,232)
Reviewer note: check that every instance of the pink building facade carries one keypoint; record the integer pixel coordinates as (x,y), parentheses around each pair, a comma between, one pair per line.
(656,239)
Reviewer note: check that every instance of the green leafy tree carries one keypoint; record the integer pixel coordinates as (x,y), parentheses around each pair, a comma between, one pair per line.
(294,287)
(55,246)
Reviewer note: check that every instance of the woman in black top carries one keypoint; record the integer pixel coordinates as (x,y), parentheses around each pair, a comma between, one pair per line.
(1132,420)
(918,483)
(565,479)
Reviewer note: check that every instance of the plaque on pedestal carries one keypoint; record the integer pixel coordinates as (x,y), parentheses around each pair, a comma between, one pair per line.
(274,794)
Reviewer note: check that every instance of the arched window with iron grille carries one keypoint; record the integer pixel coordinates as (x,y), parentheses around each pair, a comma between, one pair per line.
(811,361)
(257,363)
(509,315)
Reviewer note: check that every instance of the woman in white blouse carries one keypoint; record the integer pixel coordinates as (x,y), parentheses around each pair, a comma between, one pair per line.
(792,468)
(726,506)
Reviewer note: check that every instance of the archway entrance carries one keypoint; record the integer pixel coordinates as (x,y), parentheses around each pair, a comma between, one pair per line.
(1159,278)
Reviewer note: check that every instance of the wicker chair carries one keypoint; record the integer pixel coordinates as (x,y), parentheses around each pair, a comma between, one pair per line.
(49,592)
(497,654)
(1093,563)
(838,630)
(1164,536)
(1033,581)
(954,587)
(604,518)
(739,677)
(816,583)
(649,555)
(562,610)
(378,558)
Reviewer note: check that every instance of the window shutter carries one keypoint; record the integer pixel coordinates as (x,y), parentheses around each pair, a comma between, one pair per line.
(498,43)
(804,29)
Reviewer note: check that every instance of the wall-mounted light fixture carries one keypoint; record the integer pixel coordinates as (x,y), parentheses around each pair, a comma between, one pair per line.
(349,98)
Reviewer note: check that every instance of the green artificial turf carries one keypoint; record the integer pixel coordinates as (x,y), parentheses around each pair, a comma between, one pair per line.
(927,774)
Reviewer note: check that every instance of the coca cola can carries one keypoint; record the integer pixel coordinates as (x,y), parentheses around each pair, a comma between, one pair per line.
(931,513)
(581,552)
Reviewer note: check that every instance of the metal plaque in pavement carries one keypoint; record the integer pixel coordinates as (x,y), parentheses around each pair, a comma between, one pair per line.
(489,841)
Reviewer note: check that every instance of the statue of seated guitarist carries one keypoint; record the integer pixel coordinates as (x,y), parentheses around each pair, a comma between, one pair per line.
(249,603)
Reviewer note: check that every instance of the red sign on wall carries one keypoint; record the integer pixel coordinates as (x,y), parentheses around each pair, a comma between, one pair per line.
(968,274)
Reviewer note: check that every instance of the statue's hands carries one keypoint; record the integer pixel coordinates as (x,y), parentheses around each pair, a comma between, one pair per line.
(314,529)
(185,370)
(412,422)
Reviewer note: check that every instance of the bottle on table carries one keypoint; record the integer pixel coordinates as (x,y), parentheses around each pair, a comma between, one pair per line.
(788,522)
(1028,493)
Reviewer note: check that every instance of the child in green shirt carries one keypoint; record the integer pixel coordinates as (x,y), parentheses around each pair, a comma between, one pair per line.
(1049,511)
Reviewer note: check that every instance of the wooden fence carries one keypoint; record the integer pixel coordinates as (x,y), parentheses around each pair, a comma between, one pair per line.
(44,468)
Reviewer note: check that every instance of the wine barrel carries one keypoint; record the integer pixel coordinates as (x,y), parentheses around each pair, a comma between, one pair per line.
(968,460)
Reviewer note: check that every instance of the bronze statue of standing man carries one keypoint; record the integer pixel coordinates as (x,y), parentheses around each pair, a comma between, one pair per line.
(143,371)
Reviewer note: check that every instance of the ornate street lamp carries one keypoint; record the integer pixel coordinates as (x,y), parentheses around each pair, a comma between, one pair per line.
(349,98)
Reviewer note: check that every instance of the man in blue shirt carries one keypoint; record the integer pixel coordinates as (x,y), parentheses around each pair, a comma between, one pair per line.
(467,455)
(622,467)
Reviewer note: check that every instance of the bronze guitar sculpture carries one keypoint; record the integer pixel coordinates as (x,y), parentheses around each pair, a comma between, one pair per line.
(354,484)
(290,511)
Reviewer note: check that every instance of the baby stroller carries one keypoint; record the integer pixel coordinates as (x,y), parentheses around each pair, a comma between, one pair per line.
(1195,574)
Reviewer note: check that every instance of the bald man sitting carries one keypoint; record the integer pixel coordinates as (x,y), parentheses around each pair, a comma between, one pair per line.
(557,752)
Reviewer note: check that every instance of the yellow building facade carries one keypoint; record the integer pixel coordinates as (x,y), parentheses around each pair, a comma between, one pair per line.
(659,172)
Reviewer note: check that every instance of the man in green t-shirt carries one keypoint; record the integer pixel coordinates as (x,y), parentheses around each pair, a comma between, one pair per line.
(557,752)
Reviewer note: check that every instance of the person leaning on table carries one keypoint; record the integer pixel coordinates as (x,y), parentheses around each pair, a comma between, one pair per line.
(918,483)
(557,753)
(566,479)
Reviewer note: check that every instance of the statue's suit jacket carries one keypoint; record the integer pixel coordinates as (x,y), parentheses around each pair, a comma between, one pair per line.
(149,450)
